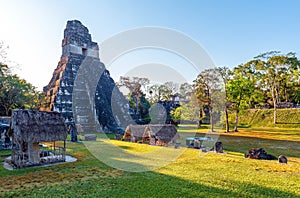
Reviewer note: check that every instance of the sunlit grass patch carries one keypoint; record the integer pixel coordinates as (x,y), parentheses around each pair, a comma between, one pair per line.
(191,174)
(134,147)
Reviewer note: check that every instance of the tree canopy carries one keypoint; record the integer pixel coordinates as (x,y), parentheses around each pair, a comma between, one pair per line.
(208,87)
(270,79)
(16,93)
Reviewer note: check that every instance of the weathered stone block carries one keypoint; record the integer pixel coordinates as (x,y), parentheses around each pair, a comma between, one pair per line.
(90,137)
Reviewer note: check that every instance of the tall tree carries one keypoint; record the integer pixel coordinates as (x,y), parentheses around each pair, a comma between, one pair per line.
(137,100)
(162,92)
(155,93)
(3,69)
(140,106)
(239,94)
(272,67)
(190,111)
(133,84)
(249,72)
(207,86)
(17,93)
(171,87)
(225,74)
(292,89)
(3,65)
(185,90)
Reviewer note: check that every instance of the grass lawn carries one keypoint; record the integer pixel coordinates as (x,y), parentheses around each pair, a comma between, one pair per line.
(276,141)
(192,174)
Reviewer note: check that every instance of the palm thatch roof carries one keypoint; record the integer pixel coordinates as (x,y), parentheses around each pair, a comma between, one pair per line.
(165,133)
(136,131)
(162,132)
(38,126)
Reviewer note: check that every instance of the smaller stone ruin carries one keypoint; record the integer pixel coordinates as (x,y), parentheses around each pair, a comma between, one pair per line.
(30,128)
(259,153)
(5,140)
(90,137)
(219,147)
(282,159)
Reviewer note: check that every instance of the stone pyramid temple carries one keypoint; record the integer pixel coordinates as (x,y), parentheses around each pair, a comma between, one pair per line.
(81,87)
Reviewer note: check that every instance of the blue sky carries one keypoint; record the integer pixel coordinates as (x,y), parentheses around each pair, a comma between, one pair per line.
(231,31)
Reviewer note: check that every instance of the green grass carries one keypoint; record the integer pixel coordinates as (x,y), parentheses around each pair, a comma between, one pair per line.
(193,174)
(286,118)
(4,153)
(277,141)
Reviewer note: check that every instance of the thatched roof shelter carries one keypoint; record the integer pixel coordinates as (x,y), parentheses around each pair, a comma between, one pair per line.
(38,126)
(28,128)
(134,131)
(165,133)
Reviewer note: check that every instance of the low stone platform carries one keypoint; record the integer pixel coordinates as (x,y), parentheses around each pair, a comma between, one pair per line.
(7,166)
(90,137)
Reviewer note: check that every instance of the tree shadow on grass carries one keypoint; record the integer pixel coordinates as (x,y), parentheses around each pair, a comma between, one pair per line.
(151,184)
(274,147)
(140,184)
(242,143)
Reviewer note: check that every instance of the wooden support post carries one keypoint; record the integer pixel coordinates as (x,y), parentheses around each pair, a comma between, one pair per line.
(54,148)
(33,152)
(64,150)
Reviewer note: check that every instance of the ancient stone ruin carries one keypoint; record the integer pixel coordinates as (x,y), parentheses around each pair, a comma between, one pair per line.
(282,159)
(81,88)
(259,153)
(28,129)
(5,140)
(219,147)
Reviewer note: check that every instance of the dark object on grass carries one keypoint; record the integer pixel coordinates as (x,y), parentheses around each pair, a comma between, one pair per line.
(118,137)
(219,147)
(177,145)
(197,144)
(72,130)
(259,153)
(282,159)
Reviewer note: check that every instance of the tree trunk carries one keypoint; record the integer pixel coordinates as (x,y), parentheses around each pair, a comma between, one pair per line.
(33,152)
(211,119)
(275,99)
(199,122)
(275,113)
(275,108)
(226,120)
(6,110)
(236,121)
